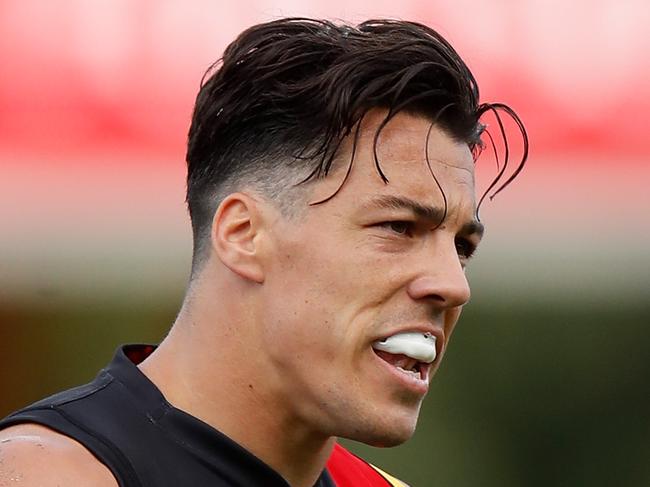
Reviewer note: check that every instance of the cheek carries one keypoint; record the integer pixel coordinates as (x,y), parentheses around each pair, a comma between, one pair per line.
(314,325)
(323,294)
(314,275)
(451,319)
(300,310)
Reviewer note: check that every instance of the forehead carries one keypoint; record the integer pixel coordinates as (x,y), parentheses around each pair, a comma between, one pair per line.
(412,154)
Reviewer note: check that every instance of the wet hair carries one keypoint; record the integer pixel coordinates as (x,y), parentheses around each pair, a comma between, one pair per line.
(273,112)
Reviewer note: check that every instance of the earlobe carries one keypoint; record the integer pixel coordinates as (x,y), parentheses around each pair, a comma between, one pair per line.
(235,228)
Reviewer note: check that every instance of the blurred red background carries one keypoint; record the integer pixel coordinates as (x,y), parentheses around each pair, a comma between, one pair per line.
(95,100)
(84,76)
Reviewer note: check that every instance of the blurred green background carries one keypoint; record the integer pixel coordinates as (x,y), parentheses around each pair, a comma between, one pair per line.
(529,394)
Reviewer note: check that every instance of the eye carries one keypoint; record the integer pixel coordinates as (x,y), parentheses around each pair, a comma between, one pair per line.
(399,227)
(465,248)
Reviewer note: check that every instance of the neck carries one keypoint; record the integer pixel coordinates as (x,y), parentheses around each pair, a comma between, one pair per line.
(199,368)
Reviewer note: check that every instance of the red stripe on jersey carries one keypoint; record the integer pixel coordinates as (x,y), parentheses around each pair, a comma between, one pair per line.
(348,470)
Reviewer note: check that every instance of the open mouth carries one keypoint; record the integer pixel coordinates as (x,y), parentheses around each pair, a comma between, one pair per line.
(411,353)
(406,365)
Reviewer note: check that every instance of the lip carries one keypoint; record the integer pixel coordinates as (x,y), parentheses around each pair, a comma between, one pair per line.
(417,386)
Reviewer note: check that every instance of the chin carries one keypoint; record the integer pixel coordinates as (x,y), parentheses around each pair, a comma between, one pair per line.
(386,438)
(388,431)
(389,441)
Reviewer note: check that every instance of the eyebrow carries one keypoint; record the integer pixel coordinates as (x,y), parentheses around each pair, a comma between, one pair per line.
(431,213)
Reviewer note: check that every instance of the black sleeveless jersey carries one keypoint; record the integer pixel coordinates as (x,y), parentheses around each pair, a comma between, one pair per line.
(124,420)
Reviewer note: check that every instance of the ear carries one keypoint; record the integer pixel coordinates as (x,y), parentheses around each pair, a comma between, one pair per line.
(235,229)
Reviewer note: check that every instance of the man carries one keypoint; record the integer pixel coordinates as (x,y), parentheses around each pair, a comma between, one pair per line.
(331,192)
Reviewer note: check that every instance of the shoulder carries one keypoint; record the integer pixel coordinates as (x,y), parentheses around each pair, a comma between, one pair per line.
(32,455)
(347,469)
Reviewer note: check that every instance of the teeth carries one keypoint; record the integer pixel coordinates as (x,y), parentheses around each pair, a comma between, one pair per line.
(419,346)
(411,373)
(405,363)
(412,366)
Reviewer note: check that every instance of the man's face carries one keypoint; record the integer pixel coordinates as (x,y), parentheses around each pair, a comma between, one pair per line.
(372,262)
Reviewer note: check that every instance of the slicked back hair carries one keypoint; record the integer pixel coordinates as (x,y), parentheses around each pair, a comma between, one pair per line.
(272,113)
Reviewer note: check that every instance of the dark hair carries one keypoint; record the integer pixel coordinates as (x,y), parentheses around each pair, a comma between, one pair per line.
(274,110)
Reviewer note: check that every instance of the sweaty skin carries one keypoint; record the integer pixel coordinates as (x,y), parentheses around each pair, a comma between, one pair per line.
(32,455)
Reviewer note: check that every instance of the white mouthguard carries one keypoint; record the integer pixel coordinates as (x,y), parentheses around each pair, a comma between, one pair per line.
(417,345)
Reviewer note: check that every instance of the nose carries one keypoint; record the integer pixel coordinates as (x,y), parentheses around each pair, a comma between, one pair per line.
(441,281)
